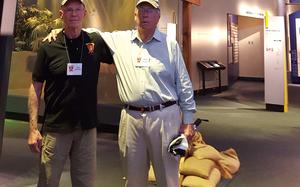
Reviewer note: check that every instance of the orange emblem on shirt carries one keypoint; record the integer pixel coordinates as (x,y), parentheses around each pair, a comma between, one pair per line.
(91,47)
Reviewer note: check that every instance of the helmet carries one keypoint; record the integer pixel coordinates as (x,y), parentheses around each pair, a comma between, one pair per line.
(178,146)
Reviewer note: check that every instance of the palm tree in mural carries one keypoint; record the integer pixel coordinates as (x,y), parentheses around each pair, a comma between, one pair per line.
(32,25)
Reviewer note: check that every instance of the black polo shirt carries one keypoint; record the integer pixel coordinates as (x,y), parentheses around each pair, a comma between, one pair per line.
(70,101)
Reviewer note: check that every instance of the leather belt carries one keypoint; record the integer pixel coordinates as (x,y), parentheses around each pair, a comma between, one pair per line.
(151,108)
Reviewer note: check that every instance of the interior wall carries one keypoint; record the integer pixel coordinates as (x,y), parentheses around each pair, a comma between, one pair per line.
(251,47)
(209,36)
(109,15)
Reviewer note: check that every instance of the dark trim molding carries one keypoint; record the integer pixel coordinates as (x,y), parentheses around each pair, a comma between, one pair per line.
(210,90)
(257,79)
(21,116)
(274,108)
(110,128)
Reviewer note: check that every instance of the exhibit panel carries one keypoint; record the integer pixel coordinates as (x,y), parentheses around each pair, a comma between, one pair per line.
(294,21)
(275,65)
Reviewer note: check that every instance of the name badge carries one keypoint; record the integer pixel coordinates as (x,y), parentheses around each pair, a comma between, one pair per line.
(142,62)
(74,69)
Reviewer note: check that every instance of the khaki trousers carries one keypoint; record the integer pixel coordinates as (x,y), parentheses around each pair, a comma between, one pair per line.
(80,147)
(144,137)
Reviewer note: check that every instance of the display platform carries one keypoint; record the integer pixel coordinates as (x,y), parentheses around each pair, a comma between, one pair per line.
(210,65)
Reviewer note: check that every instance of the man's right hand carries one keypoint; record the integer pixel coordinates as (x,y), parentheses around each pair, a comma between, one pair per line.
(35,141)
(52,35)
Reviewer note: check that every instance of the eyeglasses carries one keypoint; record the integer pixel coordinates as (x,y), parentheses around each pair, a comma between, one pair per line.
(70,10)
(147,10)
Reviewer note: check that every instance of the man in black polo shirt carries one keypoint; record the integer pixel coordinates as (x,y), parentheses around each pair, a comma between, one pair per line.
(67,70)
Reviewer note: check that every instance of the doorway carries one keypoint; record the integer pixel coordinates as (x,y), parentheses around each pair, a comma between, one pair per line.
(245,49)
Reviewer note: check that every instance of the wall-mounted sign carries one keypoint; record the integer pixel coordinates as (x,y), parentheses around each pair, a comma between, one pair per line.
(251,10)
(255,14)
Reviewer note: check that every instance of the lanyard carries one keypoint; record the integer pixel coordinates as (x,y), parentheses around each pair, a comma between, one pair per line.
(66,47)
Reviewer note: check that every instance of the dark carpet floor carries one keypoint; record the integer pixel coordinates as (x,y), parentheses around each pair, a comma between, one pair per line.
(266,142)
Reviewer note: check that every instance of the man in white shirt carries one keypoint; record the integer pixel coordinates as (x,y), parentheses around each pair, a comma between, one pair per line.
(158,95)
